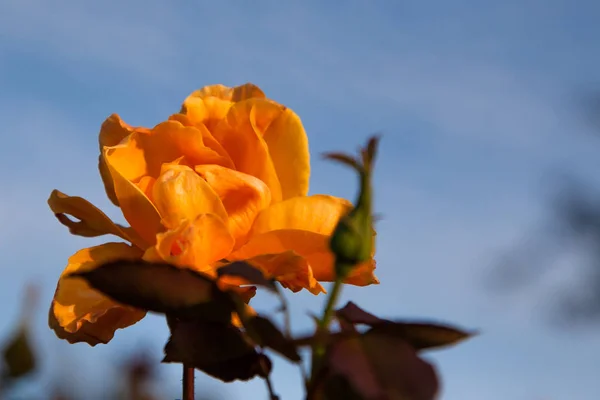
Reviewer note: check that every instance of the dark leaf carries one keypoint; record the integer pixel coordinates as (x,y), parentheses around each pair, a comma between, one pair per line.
(353,314)
(420,335)
(337,387)
(369,152)
(248,272)
(18,356)
(220,350)
(423,335)
(265,334)
(326,338)
(161,288)
(344,159)
(381,366)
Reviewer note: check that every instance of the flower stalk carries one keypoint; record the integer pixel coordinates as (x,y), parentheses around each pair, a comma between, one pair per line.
(188,383)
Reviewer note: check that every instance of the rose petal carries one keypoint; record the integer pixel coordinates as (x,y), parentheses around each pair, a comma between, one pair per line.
(240,134)
(242,195)
(312,246)
(210,104)
(81,314)
(206,111)
(112,132)
(290,269)
(235,94)
(181,194)
(143,154)
(195,244)
(288,147)
(317,213)
(92,222)
(137,208)
(207,137)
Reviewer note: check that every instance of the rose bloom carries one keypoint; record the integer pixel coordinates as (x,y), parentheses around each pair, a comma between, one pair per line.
(226,179)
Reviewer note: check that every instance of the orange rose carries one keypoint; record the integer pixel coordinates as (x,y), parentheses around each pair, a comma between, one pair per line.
(225,179)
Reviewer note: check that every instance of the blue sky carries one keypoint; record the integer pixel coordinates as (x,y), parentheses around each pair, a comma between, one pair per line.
(478,103)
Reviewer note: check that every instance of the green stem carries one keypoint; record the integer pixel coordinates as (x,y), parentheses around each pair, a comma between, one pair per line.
(331,302)
(323,327)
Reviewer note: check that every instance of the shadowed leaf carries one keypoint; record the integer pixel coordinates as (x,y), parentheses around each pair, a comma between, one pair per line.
(353,314)
(380,366)
(220,350)
(19,359)
(266,334)
(420,335)
(247,272)
(423,335)
(344,159)
(161,288)
(370,151)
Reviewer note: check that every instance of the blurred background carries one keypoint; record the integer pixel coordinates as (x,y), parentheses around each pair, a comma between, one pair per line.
(487,178)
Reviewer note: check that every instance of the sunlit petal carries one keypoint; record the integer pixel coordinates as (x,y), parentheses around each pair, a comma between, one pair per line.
(196,244)
(137,208)
(81,314)
(288,147)
(181,194)
(112,132)
(242,195)
(240,134)
(312,246)
(318,213)
(92,222)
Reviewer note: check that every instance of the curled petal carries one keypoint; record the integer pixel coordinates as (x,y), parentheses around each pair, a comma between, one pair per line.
(207,137)
(205,111)
(288,146)
(137,208)
(92,222)
(113,131)
(234,94)
(242,195)
(318,213)
(240,134)
(195,244)
(363,274)
(81,314)
(181,194)
(211,103)
(143,154)
(311,246)
(290,269)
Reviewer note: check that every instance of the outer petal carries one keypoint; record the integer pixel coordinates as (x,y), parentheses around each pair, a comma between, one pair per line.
(210,104)
(207,137)
(92,222)
(288,147)
(143,154)
(181,194)
(312,246)
(206,111)
(112,132)
(243,196)
(240,134)
(235,94)
(195,244)
(292,270)
(80,314)
(318,213)
(135,205)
